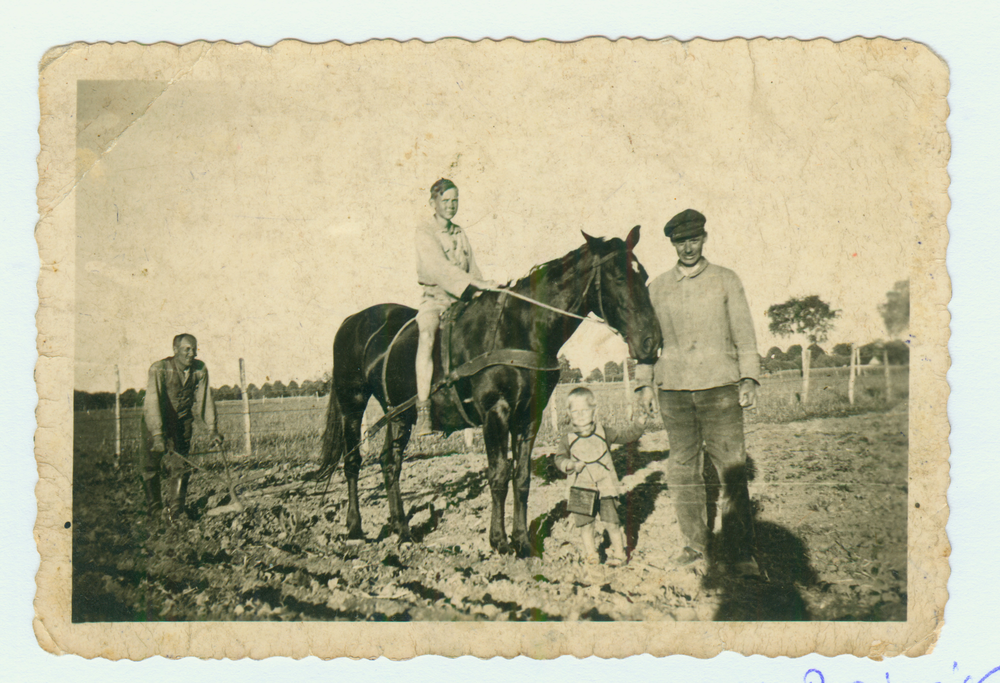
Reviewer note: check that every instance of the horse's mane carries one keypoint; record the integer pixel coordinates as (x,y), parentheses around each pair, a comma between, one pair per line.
(541,271)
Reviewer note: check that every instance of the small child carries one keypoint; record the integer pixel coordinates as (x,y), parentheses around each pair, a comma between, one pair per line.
(585,456)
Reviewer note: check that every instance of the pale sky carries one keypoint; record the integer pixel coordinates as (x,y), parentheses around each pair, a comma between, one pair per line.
(256,210)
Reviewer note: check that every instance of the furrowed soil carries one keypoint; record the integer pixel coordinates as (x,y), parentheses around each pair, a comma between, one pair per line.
(829,497)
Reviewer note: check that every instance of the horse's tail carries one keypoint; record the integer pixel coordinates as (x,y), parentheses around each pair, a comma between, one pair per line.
(333,439)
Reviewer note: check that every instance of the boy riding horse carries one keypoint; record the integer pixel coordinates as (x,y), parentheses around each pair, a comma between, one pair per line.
(445,270)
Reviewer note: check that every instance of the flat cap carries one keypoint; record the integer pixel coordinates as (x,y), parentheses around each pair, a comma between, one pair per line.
(685,225)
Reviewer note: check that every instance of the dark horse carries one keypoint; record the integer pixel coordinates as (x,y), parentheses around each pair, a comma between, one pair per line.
(513,346)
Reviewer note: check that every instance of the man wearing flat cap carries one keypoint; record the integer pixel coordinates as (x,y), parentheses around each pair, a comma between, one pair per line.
(705,377)
(177,394)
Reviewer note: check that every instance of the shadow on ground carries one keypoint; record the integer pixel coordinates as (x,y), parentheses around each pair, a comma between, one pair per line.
(775,596)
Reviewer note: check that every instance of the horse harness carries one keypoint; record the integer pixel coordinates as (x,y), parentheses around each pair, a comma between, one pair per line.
(515,358)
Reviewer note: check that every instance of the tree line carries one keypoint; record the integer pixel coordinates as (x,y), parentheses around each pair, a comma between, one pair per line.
(132,398)
(838,357)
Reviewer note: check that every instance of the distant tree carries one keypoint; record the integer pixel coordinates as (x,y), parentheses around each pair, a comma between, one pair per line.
(895,312)
(869,351)
(98,400)
(831,361)
(595,375)
(815,351)
(898,352)
(324,383)
(809,318)
(613,372)
(564,368)
(227,393)
(842,350)
(130,398)
(293,389)
(567,373)
(794,353)
(253,392)
(774,353)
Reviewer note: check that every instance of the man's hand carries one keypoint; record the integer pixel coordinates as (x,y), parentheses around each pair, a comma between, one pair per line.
(578,466)
(647,400)
(748,393)
(215,440)
(157,446)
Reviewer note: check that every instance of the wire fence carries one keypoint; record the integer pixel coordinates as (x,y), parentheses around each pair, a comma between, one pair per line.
(290,429)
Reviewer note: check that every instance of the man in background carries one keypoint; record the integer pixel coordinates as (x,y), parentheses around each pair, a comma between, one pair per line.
(177,393)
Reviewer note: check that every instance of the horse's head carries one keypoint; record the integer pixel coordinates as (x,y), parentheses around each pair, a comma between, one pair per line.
(619,294)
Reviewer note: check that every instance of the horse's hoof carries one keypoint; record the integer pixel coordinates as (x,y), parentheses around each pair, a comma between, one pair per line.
(355,534)
(404,536)
(521,550)
(502,546)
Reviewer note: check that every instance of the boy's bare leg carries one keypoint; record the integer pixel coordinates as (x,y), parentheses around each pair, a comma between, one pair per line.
(425,373)
(617,549)
(589,547)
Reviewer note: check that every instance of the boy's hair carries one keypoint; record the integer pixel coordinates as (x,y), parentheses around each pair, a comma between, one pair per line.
(441,186)
(182,336)
(580,393)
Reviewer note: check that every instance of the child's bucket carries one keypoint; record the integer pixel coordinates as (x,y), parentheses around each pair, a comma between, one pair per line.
(583,501)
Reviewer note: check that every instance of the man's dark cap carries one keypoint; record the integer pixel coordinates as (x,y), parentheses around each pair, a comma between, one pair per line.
(685,225)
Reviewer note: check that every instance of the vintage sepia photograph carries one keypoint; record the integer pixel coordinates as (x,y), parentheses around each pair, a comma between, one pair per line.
(643,332)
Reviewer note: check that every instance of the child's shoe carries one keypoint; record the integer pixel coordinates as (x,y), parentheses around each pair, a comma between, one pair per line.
(615,559)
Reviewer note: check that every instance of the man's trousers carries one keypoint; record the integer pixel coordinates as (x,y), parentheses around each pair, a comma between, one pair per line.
(713,418)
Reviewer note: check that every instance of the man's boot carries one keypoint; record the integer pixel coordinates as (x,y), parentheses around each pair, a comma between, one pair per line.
(423,426)
(151,486)
(175,497)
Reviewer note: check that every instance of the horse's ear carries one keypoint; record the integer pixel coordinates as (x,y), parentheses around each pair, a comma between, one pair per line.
(592,242)
(633,238)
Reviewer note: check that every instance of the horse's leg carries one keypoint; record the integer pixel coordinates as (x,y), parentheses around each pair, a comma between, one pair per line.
(495,432)
(352,468)
(522,441)
(392,465)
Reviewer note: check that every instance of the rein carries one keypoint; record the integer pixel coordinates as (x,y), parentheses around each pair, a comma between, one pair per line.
(595,276)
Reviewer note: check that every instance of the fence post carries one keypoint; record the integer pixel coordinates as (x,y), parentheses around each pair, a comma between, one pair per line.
(850,377)
(554,413)
(888,375)
(806,364)
(118,416)
(470,437)
(246,407)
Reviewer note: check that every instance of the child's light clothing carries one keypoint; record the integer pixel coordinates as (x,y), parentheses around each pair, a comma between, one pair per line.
(598,472)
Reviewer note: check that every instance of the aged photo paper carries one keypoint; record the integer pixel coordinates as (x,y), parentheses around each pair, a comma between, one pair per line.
(765,357)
